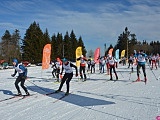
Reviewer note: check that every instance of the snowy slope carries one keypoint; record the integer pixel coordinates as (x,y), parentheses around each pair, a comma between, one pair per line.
(96,99)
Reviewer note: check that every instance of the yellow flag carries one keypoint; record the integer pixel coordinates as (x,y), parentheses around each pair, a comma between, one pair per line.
(122,53)
(78,54)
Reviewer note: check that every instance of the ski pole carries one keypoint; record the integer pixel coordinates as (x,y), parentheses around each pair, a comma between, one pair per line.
(121,74)
(88,75)
(130,76)
(153,73)
(131,72)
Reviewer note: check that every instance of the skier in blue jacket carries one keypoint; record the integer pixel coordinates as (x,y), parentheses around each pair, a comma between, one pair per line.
(22,71)
(141,61)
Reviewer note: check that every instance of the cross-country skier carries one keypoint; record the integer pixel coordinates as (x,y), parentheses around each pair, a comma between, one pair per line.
(54,69)
(141,61)
(22,71)
(158,59)
(82,67)
(153,61)
(112,62)
(124,60)
(103,62)
(67,66)
(89,63)
(107,64)
(93,66)
(130,61)
(57,64)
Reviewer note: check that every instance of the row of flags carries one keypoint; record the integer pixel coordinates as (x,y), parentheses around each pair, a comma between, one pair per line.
(47,53)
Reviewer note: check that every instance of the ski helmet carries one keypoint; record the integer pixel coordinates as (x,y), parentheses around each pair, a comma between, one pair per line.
(15,60)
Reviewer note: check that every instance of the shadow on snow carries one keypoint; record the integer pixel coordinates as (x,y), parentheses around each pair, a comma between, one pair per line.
(6,92)
(132,99)
(72,98)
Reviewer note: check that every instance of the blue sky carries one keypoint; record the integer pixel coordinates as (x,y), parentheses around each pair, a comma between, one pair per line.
(96,21)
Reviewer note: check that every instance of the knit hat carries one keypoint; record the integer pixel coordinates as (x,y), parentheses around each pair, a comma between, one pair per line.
(15,60)
(64,60)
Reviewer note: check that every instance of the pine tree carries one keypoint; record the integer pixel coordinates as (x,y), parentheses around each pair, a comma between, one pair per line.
(15,46)
(54,47)
(123,41)
(67,46)
(80,43)
(5,45)
(73,43)
(59,45)
(10,46)
(46,38)
(33,44)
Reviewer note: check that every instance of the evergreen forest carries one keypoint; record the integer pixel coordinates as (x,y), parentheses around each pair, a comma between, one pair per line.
(30,47)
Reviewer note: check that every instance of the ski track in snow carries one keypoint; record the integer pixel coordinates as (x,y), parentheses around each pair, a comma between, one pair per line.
(98,98)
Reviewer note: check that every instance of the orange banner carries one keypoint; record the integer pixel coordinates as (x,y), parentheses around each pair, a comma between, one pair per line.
(110,51)
(46,56)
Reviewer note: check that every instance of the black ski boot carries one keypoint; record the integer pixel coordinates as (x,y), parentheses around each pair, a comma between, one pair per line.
(67,93)
(132,69)
(111,77)
(57,91)
(19,94)
(27,94)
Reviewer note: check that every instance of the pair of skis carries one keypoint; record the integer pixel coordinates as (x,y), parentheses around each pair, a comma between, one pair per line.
(145,81)
(113,80)
(15,96)
(25,96)
(63,96)
(138,81)
(47,94)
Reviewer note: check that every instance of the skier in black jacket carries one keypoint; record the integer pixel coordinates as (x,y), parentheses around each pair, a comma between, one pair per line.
(68,74)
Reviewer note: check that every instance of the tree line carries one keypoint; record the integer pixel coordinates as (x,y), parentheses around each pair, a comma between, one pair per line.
(30,48)
(128,41)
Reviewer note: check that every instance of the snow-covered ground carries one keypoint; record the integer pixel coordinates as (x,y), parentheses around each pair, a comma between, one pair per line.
(96,99)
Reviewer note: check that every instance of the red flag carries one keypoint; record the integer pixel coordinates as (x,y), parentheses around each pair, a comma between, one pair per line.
(46,56)
(97,55)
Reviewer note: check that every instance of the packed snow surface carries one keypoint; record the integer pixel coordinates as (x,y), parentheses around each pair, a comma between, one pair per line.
(98,98)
